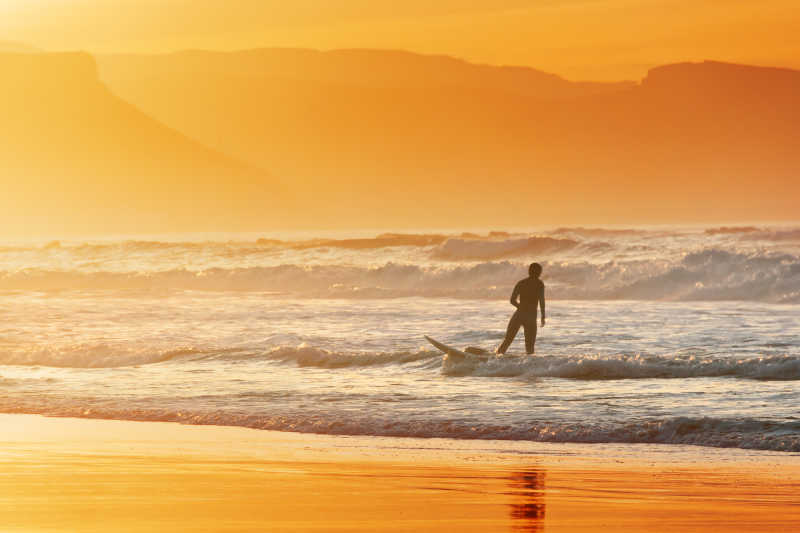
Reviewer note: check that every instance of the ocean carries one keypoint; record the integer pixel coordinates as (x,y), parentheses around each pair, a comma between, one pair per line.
(684,335)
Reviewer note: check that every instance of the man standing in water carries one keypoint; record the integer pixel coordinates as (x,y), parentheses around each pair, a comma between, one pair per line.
(527,295)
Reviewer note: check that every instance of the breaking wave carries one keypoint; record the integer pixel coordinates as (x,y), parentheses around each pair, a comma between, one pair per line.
(466,249)
(786,235)
(308,356)
(620,366)
(706,275)
(579,367)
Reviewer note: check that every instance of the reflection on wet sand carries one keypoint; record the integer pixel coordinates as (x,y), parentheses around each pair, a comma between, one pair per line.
(528,509)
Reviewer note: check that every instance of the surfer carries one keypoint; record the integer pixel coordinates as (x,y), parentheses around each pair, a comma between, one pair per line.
(527,296)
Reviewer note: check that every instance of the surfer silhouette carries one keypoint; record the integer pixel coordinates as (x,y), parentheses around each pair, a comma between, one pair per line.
(527,296)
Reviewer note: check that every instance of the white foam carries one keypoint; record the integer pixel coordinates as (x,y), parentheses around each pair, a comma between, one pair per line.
(579,366)
(709,274)
(305,355)
(704,431)
(606,367)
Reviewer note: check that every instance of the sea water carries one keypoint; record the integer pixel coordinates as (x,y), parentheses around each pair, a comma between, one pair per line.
(653,335)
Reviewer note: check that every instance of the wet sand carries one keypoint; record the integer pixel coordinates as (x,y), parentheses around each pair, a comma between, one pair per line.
(77,475)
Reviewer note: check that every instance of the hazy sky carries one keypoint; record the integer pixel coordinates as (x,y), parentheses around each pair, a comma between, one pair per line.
(599,39)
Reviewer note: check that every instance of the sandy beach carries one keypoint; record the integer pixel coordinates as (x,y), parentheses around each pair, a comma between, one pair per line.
(79,475)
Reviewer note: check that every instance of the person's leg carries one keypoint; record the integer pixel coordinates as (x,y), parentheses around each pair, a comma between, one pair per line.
(530,335)
(511,332)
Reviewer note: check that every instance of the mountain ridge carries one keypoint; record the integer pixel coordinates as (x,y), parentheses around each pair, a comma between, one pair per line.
(411,144)
(164,143)
(371,67)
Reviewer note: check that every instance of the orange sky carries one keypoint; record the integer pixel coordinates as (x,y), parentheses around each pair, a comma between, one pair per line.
(580,39)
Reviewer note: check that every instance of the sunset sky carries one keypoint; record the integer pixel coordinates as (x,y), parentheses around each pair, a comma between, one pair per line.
(579,39)
(260,129)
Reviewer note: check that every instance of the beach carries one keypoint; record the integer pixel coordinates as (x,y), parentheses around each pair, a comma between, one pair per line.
(367,266)
(84,475)
(240,383)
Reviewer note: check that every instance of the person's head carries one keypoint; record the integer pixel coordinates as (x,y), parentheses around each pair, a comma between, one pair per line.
(535,270)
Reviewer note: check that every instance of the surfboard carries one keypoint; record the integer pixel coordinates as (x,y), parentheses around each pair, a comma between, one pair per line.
(458,355)
(470,353)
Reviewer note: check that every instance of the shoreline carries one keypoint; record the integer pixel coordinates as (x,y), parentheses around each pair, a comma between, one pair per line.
(67,474)
(182,419)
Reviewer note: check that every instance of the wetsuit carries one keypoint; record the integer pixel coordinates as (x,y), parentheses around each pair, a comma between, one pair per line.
(531,294)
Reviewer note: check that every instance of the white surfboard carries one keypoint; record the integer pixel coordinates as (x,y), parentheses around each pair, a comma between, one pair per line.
(458,355)
(470,353)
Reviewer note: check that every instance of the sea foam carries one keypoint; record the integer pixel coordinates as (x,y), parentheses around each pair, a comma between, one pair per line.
(699,431)
(578,366)
(703,275)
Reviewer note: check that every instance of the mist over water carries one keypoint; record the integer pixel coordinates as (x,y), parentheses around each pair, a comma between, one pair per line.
(683,336)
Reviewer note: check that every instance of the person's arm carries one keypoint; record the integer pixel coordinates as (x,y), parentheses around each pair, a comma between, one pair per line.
(541,304)
(515,296)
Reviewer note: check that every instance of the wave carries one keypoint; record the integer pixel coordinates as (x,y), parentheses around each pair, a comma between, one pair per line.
(783,235)
(391,279)
(731,230)
(495,240)
(620,366)
(511,240)
(384,240)
(466,249)
(308,356)
(704,275)
(579,367)
(111,355)
(702,431)
(94,355)
(597,232)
